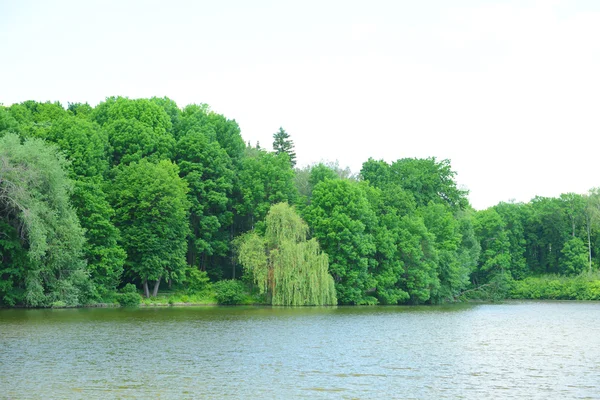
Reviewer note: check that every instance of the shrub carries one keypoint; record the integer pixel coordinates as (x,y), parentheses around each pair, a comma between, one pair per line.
(129,296)
(554,287)
(229,292)
(195,280)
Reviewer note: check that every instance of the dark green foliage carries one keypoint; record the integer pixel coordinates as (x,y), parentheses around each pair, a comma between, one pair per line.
(515,216)
(7,122)
(229,292)
(495,257)
(222,130)
(104,255)
(283,144)
(265,179)
(208,170)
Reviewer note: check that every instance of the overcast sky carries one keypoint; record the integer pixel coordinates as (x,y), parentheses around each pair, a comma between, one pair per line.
(509,91)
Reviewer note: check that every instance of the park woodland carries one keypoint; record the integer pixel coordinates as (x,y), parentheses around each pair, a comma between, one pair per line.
(143,201)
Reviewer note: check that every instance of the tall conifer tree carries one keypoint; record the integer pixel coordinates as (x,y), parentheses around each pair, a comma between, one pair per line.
(283,144)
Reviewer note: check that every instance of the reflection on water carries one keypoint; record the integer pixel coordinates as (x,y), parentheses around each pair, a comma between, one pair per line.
(515,350)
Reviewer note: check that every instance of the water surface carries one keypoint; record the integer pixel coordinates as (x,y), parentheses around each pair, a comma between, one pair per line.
(517,350)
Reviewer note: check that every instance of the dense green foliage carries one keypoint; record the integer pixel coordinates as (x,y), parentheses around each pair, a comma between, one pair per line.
(229,292)
(97,204)
(42,241)
(129,296)
(557,287)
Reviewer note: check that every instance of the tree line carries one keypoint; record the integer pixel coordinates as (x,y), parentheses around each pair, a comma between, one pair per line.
(142,192)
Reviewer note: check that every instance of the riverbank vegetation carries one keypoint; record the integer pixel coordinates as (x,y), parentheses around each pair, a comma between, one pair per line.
(139,200)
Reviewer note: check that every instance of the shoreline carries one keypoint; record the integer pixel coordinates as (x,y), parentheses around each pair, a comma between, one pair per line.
(184,305)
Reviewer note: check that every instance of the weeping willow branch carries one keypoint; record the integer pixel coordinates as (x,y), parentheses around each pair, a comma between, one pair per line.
(283,264)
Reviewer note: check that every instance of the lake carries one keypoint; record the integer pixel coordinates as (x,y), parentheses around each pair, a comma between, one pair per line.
(521,350)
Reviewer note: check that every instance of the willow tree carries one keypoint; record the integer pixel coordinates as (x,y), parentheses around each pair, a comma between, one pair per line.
(290,269)
(41,240)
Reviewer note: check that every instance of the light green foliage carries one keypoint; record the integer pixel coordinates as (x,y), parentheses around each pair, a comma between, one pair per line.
(136,129)
(34,199)
(152,213)
(292,270)
(252,255)
(84,144)
(195,280)
(555,287)
(36,118)
(283,144)
(283,224)
(575,257)
(146,111)
(342,220)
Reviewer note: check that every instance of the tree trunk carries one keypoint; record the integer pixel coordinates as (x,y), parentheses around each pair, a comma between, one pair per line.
(146,290)
(156,285)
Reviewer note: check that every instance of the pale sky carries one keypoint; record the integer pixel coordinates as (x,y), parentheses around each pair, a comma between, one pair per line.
(509,91)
